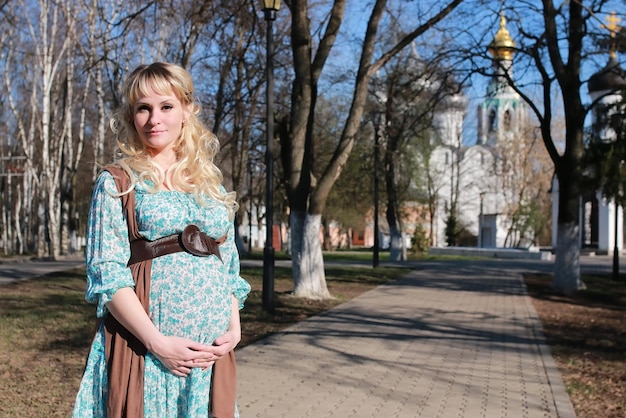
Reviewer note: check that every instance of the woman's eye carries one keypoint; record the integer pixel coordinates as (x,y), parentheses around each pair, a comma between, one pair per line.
(168,107)
(143,108)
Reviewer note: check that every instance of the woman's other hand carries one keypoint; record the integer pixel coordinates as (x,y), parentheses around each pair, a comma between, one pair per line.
(179,355)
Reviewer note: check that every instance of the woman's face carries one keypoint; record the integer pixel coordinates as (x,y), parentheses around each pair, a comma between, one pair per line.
(158,120)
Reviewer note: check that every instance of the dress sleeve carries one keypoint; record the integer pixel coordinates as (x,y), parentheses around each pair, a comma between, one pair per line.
(240,287)
(107,250)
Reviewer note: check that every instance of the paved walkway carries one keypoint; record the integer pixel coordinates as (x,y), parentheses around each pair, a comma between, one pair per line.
(21,268)
(462,341)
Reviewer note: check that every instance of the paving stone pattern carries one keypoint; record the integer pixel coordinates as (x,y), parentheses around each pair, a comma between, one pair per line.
(460,342)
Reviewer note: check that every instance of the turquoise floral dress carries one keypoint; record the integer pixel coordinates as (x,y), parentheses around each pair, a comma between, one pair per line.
(189,296)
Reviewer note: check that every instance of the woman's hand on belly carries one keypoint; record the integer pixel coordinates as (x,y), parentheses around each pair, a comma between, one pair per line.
(221,346)
(179,355)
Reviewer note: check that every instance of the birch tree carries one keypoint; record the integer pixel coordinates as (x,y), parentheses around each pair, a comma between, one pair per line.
(98,48)
(63,63)
(18,124)
(46,26)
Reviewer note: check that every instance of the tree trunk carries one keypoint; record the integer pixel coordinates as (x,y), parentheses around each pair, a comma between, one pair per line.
(6,220)
(306,200)
(8,241)
(66,232)
(308,262)
(17,224)
(54,214)
(396,252)
(100,136)
(27,201)
(567,260)
(42,230)
(395,244)
(328,242)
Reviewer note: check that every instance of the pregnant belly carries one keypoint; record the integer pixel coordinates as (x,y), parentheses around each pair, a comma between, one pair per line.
(189,299)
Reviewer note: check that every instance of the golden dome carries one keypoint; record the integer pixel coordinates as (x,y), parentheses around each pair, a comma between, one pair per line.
(502,46)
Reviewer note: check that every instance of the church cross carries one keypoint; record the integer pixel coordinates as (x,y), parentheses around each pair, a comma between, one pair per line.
(613,27)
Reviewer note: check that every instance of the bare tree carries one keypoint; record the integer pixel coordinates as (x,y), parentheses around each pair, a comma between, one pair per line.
(235,102)
(524,171)
(407,96)
(307,196)
(103,36)
(553,40)
(63,63)
(568,164)
(43,135)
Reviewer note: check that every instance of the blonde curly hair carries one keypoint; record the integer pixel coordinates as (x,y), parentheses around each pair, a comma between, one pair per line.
(194,170)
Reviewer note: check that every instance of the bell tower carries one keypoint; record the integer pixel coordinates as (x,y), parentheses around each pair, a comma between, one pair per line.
(500,114)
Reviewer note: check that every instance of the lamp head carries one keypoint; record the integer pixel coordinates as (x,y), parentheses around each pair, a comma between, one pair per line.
(270,5)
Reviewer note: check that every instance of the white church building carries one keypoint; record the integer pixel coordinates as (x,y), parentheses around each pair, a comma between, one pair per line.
(471,182)
(467,180)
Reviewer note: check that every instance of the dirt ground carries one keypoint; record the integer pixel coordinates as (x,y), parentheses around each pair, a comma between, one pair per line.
(586,333)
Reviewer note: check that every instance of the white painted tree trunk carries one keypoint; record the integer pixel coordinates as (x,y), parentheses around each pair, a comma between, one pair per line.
(5,228)
(42,239)
(17,223)
(567,260)
(397,251)
(307,259)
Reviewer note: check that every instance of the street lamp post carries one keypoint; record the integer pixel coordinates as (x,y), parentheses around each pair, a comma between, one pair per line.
(249,207)
(375,260)
(269,7)
(615,245)
(480,222)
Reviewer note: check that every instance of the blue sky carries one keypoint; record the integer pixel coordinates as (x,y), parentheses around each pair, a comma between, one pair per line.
(474,23)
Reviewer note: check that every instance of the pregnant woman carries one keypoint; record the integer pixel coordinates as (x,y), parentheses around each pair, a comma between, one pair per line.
(162,265)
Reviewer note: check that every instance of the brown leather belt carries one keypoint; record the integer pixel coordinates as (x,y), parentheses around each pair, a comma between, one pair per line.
(191,240)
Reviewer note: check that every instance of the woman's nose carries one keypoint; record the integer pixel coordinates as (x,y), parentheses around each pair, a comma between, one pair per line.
(154,118)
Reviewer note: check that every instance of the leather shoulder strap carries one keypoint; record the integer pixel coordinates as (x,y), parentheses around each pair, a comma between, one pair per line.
(124,353)
(128,200)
